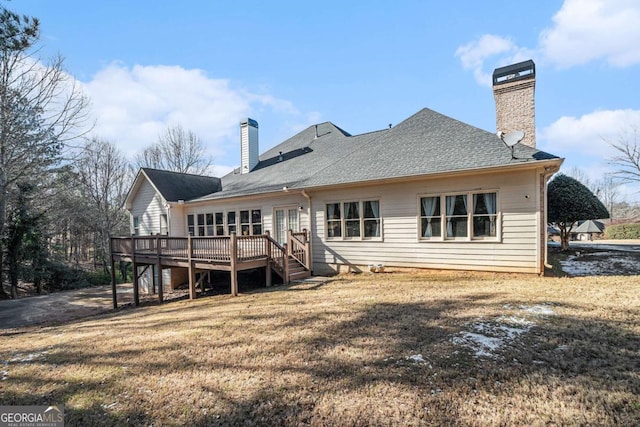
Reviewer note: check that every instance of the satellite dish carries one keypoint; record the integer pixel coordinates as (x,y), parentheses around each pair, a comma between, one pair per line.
(511,139)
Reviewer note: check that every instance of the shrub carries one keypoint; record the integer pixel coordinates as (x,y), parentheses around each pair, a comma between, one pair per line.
(61,277)
(623,231)
(98,278)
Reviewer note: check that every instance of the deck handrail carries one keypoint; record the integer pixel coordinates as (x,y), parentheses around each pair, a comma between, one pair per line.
(298,244)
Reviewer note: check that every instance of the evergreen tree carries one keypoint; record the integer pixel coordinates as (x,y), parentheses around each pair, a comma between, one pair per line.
(569,202)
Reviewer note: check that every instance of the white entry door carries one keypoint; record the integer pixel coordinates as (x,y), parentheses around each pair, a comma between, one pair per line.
(285,218)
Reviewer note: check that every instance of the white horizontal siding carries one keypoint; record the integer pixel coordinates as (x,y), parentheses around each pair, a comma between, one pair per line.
(400,246)
(147,205)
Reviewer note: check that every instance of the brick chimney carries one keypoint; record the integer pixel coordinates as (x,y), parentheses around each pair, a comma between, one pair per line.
(513,90)
(248,145)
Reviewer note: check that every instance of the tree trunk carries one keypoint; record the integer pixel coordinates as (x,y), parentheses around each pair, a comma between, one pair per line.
(565,233)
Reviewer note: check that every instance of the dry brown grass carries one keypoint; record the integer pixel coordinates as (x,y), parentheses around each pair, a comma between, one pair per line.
(336,354)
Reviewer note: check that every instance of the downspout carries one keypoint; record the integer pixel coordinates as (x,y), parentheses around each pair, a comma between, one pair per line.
(548,172)
(304,193)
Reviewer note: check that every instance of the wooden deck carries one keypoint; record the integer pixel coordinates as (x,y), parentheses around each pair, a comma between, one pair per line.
(225,253)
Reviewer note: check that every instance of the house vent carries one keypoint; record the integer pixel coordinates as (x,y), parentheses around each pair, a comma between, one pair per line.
(514,93)
(248,145)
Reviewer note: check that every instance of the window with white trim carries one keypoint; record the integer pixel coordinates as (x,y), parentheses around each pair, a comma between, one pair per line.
(164,225)
(430,218)
(354,220)
(334,220)
(201,226)
(256,222)
(219,221)
(462,216)
(209,219)
(191,226)
(136,226)
(231,222)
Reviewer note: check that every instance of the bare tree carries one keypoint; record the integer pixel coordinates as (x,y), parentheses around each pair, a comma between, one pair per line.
(177,150)
(102,173)
(41,109)
(627,159)
(607,190)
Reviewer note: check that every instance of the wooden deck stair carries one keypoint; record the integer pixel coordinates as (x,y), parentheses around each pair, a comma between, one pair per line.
(297,271)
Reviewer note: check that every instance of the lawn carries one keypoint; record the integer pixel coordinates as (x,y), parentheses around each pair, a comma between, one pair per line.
(395,348)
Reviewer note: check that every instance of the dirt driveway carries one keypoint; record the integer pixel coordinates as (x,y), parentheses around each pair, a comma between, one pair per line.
(60,306)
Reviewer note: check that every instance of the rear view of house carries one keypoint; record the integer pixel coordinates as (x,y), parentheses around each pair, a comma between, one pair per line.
(430,192)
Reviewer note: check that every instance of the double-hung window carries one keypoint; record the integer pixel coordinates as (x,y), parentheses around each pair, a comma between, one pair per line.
(201,226)
(219,219)
(463,216)
(256,222)
(430,219)
(136,226)
(484,215)
(354,220)
(191,227)
(210,229)
(164,225)
(457,216)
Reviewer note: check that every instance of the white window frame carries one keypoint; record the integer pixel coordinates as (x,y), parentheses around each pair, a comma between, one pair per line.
(135,227)
(197,226)
(343,220)
(470,216)
(164,229)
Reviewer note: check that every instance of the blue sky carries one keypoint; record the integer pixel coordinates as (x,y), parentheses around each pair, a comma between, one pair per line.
(361,65)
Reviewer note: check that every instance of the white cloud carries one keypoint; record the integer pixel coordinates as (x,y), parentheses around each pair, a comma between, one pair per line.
(583,141)
(581,31)
(133,105)
(588,30)
(590,131)
(473,55)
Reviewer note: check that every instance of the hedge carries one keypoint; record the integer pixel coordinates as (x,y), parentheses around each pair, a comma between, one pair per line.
(623,231)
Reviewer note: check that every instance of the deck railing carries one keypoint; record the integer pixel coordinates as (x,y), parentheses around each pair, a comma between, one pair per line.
(217,249)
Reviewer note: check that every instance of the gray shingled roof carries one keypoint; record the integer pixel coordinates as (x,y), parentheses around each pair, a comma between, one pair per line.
(590,226)
(426,143)
(174,186)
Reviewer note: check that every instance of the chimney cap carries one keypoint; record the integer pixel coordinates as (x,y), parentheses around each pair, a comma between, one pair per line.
(521,70)
(249,122)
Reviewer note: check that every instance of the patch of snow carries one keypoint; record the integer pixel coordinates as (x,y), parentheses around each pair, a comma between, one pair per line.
(21,358)
(539,310)
(4,375)
(484,338)
(481,345)
(594,266)
(416,358)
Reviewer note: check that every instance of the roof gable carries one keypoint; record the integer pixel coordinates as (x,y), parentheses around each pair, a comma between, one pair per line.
(173,186)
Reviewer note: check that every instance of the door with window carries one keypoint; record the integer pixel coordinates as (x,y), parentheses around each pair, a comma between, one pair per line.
(284,219)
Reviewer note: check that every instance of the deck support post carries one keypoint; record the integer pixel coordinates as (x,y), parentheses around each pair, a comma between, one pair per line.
(113,283)
(159,270)
(267,251)
(136,291)
(192,270)
(233,252)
